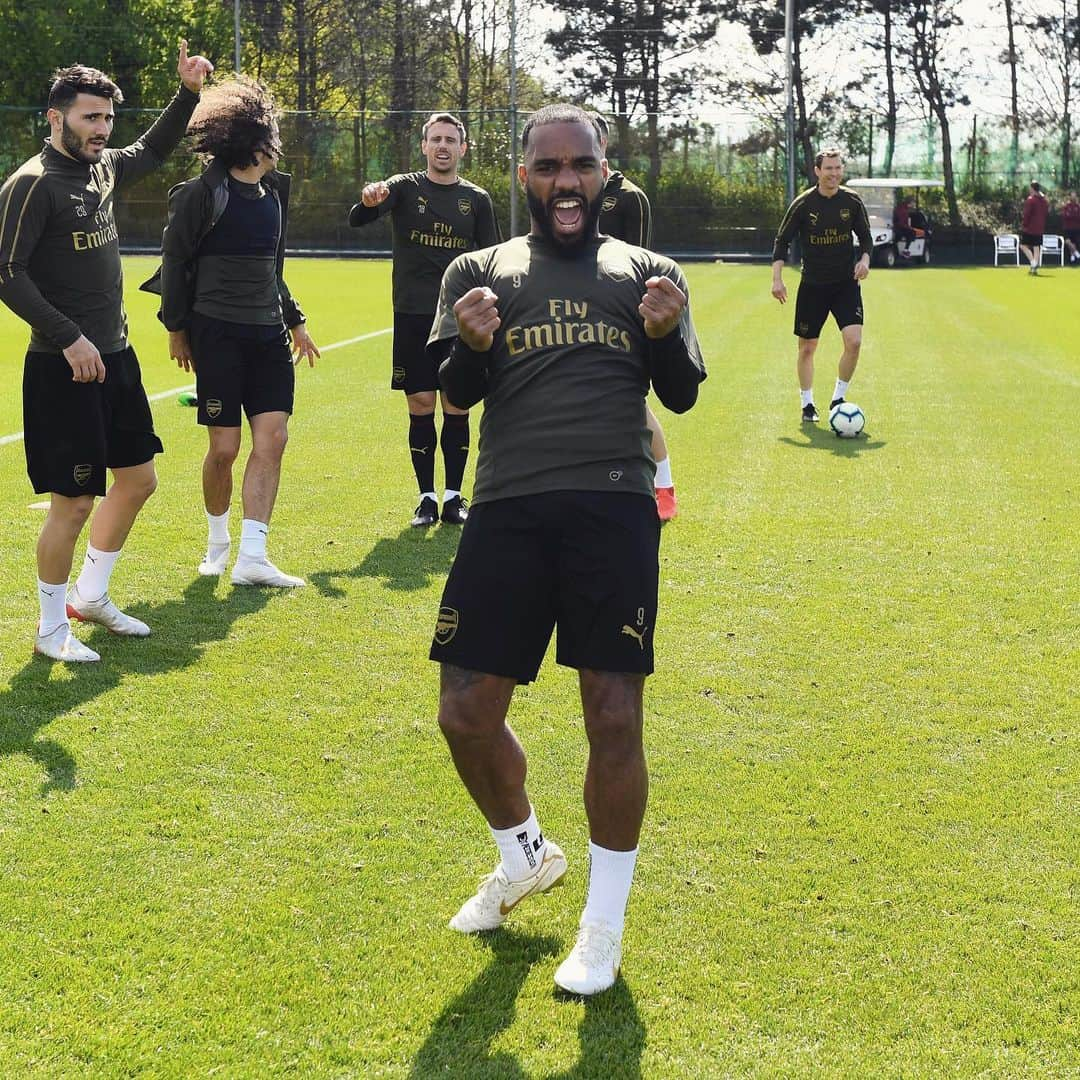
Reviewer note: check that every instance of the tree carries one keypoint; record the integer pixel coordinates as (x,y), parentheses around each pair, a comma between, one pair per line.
(925,45)
(1010,57)
(630,53)
(1056,78)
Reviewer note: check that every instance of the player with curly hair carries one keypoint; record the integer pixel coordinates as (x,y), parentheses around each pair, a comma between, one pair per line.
(230,314)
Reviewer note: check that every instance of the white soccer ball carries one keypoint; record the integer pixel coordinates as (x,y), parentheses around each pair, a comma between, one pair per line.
(847,419)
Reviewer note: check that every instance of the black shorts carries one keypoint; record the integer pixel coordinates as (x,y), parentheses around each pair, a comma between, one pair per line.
(815,303)
(1031,239)
(73,432)
(415,369)
(239,366)
(586,561)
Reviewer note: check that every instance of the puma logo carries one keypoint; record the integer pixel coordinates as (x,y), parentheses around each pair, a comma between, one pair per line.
(419,449)
(637,635)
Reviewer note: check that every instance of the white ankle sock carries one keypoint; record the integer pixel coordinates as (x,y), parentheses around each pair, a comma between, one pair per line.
(218,525)
(610,875)
(93,582)
(521,848)
(663,474)
(253,539)
(449,494)
(841,389)
(807,397)
(52,601)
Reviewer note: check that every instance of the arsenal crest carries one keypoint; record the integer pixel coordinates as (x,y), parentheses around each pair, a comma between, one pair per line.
(213,408)
(81,473)
(464,206)
(608,204)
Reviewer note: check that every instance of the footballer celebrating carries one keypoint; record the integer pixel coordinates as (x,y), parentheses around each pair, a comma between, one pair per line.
(824,218)
(560,333)
(626,214)
(84,407)
(230,314)
(436,215)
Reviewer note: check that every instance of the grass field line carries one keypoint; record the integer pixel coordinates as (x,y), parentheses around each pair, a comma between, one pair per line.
(17,437)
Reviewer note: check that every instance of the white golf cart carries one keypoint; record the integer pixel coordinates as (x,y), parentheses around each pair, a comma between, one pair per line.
(880,196)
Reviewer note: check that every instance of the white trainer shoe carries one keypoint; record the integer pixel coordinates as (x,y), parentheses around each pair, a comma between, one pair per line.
(62,644)
(593,963)
(215,567)
(262,572)
(498,895)
(105,613)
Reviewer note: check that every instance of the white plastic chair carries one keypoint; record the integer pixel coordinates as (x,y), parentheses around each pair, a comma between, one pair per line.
(1054,245)
(1007,244)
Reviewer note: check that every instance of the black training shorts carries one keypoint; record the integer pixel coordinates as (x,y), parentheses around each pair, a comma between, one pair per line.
(585,561)
(415,369)
(240,366)
(1031,239)
(815,303)
(73,431)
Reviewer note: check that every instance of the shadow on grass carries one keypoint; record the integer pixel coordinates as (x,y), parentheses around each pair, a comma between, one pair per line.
(822,438)
(612,1034)
(407,561)
(182,628)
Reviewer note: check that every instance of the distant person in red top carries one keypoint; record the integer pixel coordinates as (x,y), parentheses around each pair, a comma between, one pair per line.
(1033,225)
(1070,226)
(902,230)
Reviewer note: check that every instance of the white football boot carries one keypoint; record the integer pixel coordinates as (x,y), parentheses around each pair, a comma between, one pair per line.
(593,963)
(62,644)
(212,566)
(262,572)
(498,895)
(105,613)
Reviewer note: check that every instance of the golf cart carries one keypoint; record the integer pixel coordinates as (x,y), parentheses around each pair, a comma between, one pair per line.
(882,197)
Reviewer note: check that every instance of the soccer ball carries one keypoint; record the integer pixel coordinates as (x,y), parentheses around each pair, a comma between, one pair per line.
(847,420)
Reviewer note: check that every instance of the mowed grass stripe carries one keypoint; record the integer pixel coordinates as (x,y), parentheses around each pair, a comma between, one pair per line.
(859,852)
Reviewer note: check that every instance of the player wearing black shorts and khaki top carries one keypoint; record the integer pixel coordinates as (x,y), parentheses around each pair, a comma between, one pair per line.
(560,333)
(229,315)
(435,216)
(84,407)
(824,219)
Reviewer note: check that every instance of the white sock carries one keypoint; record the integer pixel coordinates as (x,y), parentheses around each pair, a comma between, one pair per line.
(93,582)
(610,876)
(218,529)
(253,539)
(432,495)
(449,494)
(841,389)
(52,600)
(807,397)
(521,848)
(663,474)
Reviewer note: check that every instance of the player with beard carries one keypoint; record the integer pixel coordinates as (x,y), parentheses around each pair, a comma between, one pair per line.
(84,407)
(626,214)
(560,333)
(436,215)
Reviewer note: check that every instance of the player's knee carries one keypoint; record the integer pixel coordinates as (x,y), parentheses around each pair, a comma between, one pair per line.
(422,403)
(222,455)
(272,443)
(460,718)
(73,512)
(613,728)
(143,486)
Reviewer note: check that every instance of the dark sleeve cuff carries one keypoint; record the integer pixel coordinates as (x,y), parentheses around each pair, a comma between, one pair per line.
(673,373)
(362,215)
(463,375)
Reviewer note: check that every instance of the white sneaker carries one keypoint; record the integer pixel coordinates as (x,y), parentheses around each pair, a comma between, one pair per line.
(215,567)
(593,963)
(262,572)
(105,613)
(498,895)
(62,644)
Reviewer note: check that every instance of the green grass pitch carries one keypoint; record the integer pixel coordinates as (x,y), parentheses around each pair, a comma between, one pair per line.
(231,849)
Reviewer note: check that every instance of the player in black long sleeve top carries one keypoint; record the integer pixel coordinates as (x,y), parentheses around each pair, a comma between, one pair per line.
(824,219)
(84,407)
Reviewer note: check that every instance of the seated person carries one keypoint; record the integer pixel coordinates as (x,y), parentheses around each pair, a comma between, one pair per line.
(902,230)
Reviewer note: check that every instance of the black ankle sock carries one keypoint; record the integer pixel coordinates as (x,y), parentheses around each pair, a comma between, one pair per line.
(422,450)
(455,448)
